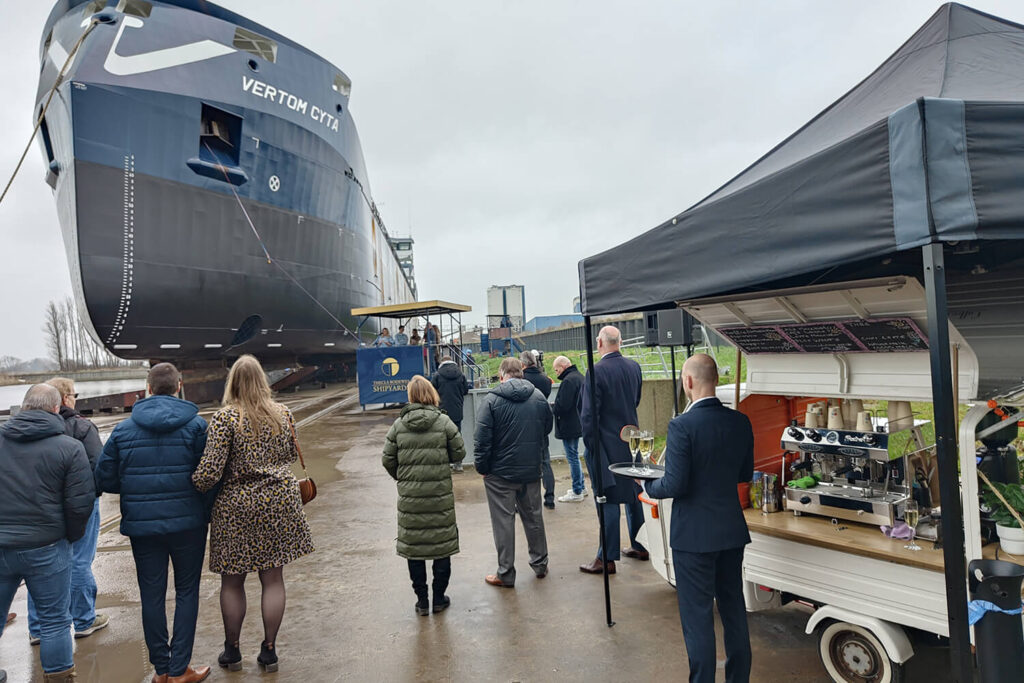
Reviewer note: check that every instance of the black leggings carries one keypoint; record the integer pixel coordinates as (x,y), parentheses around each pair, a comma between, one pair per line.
(442,574)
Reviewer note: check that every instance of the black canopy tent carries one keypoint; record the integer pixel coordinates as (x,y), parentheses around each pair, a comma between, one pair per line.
(920,164)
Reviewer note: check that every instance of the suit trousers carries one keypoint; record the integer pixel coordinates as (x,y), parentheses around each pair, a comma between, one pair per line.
(185,550)
(548,477)
(612,515)
(701,580)
(504,499)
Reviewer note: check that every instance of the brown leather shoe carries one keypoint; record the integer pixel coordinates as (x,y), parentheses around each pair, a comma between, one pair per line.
(159,678)
(495,580)
(635,554)
(11,616)
(191,675)
(595,567)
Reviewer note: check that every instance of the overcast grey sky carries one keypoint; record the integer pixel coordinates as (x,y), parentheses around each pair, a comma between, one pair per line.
(513,139)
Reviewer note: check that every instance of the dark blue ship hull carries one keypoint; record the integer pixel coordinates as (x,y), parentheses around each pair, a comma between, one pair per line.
(186,146)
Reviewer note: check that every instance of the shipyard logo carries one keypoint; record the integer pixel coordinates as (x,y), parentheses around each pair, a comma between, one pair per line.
(390,367)
(287,99)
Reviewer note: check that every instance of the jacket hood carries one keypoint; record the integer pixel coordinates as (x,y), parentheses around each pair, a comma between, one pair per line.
(449,370)
(163,413)
(33,425)
(515,389)
(419,417)
(568,371)
(68,413)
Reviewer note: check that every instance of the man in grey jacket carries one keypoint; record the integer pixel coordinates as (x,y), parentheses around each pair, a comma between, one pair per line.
(46,497)
(513,422)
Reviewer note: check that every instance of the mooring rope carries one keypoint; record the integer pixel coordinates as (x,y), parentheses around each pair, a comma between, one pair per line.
(39,122)
(266,252)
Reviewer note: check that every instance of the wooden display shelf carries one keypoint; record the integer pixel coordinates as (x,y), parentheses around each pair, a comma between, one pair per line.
(859,539)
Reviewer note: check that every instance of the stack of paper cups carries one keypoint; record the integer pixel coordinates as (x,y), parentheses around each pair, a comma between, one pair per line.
(811,419)
(900,416)
(851,407)
(864,421)
(835,418)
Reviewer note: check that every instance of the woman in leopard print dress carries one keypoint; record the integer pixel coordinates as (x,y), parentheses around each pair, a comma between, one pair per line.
(257,523)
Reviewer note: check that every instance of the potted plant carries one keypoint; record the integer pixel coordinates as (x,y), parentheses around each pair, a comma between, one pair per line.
(1007,504)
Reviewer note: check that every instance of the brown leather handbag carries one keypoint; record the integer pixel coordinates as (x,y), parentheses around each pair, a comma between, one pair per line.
(307,487)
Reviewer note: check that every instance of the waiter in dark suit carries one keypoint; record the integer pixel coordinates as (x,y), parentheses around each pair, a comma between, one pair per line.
(613,406)
(710,449)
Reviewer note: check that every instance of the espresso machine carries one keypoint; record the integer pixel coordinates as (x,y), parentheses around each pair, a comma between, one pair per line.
(858,479)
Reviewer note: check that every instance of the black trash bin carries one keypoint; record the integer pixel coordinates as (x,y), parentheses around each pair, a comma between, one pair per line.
(998,636)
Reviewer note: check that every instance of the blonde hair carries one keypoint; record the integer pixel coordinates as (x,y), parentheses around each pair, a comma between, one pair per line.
(422,391)
(247,389)
(65,386)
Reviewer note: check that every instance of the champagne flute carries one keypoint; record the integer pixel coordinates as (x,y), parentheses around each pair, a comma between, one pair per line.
(911,515)
(646,447)
(634,446)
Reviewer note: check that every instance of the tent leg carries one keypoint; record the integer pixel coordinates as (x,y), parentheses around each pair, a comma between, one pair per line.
(946,449)
(597,476)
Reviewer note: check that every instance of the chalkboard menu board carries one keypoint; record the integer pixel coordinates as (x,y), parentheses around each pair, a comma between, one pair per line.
(821,338)
(759,339)
(885,335)
(893,334)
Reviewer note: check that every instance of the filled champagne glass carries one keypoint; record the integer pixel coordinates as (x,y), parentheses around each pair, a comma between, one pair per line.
(646,447)
(634,445)
(911,515)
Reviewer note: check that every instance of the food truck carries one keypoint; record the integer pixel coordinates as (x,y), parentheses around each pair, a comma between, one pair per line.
(873,258)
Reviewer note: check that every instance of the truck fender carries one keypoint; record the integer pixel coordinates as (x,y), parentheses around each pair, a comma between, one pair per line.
(892,636)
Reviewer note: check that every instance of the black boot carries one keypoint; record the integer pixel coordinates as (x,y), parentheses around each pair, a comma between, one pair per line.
(231,657)
(441,603)
(422,602)
(268,657)
(442,575)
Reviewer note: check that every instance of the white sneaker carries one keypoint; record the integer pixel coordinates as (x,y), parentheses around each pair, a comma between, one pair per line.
(571,497)
(584,494)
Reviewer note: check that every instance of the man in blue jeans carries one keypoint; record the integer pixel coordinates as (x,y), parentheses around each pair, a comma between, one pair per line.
(149,459)
(46,497)
(567,423)
(83,551)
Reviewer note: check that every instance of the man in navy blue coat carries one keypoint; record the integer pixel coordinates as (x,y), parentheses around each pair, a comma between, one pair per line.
(710,449)
(149,459)
(612,407)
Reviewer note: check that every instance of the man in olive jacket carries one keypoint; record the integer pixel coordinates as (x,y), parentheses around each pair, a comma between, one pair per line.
(513,422)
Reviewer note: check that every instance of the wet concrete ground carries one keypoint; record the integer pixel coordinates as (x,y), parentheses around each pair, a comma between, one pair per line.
(350,605)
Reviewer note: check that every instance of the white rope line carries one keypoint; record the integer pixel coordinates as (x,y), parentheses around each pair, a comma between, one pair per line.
(53,91)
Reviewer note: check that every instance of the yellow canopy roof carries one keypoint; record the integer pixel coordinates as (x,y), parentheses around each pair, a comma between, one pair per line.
(412,309)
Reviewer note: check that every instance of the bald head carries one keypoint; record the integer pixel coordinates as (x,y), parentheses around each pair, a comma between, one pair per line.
(608,339)
(42,397)
(700,376)
(560,364)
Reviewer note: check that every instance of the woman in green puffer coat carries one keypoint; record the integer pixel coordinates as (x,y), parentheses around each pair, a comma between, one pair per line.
(421,445)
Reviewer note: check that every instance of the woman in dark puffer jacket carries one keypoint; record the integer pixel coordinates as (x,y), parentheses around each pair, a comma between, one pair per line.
(420,446)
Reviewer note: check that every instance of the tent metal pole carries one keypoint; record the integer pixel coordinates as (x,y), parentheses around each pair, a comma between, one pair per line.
(675,385)
(953,553)
(596,475)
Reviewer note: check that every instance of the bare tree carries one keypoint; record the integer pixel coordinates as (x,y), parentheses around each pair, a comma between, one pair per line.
(70,343)
(54,329)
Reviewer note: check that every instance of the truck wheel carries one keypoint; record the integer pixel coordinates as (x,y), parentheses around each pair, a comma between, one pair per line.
(852,654)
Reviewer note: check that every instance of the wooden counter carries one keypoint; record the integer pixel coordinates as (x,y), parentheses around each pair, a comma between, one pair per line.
(858,539)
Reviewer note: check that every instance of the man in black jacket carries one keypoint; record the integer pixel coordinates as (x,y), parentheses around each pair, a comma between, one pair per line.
(452,387)
(46,497)
(83,551)
(534,374)
(512,424)
(567,424)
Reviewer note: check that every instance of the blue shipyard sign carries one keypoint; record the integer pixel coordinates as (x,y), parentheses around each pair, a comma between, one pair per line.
(384,373)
